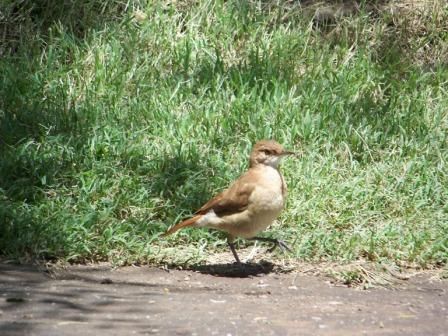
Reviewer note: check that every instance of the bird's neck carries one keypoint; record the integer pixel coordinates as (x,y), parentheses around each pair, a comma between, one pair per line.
(273,164)
(264,167)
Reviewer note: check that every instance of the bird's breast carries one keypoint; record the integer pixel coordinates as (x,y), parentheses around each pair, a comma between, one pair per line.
(269,195)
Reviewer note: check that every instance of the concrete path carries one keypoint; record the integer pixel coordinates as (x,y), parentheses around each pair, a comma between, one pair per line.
(97,300)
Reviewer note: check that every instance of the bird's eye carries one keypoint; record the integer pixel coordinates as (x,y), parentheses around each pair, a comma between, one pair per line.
(267,151)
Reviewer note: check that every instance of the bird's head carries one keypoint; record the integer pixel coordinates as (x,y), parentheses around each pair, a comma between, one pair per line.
(268,152)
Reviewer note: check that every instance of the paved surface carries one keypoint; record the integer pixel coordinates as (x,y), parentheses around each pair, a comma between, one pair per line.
(96,300)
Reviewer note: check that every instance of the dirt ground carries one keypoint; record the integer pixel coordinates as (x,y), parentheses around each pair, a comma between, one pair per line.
(211,300)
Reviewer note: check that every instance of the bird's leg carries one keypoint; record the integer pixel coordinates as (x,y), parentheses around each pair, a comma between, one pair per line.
(232,248)
(275,242)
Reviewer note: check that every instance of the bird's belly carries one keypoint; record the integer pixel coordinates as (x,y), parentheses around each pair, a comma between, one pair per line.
(259,222)
(250,222)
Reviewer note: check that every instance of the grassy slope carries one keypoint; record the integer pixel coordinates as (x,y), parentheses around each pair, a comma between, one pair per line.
(111,135)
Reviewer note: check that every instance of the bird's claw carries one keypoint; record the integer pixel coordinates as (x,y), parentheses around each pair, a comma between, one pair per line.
(275,242)
(280,244)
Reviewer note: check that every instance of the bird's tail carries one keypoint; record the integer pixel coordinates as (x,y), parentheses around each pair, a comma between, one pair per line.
(188,222)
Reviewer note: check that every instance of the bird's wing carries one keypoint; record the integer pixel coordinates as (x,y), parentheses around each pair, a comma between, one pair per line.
(233,200)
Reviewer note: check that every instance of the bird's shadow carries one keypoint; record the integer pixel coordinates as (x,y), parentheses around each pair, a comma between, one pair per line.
(235,270)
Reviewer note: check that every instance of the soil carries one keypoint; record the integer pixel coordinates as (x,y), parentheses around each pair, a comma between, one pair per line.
(221,299)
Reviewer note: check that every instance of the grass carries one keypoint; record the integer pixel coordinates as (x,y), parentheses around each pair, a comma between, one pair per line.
(118,121)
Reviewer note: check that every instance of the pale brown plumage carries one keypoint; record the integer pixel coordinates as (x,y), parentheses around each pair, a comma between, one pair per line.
(251,203)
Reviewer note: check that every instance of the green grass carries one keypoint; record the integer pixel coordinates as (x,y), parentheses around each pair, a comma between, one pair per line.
(112,128)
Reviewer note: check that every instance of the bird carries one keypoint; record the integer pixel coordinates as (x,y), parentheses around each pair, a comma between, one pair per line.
(250,204)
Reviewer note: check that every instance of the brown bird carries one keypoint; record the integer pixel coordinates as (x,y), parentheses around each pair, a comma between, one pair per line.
(251,203)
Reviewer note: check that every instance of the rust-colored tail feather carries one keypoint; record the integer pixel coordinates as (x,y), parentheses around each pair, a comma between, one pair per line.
(188,222)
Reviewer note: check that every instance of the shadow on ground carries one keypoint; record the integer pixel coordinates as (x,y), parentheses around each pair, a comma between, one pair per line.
(234,270)
(46,301)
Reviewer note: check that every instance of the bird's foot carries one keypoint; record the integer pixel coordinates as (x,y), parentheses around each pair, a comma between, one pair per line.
(275,243)
(281,245)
